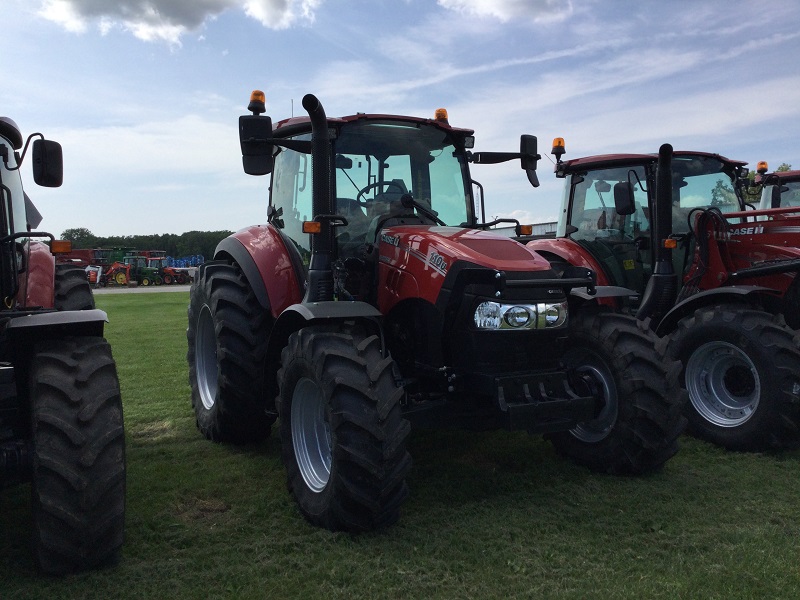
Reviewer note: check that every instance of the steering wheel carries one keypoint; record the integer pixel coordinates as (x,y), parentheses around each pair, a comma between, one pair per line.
(367,188)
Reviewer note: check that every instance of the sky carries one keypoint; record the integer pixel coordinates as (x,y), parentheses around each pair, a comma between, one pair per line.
(145,95)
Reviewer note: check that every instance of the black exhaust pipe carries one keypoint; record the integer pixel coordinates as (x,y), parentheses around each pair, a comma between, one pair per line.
(662,288)
(320,274)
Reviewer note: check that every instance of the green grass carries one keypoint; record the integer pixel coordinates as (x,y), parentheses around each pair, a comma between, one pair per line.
(491,515)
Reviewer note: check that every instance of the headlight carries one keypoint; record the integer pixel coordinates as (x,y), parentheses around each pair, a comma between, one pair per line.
(543,315)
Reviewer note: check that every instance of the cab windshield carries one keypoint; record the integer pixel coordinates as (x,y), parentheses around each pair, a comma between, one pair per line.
(376,164)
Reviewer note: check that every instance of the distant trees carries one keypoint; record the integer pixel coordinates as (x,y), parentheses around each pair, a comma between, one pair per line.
(186,244)
(80,237)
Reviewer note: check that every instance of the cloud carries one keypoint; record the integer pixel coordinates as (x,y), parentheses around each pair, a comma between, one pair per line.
(508,10)
(168,20)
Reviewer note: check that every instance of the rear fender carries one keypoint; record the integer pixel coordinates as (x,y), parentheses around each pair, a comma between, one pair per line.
(37,283)
(568,251)
(270,269)
(751,295)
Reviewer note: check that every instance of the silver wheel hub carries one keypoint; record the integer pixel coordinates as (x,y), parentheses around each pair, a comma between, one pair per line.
(311,434)
(723,384)
(205,351)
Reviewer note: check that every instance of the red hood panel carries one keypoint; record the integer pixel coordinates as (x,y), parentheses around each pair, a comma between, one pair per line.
(455,243)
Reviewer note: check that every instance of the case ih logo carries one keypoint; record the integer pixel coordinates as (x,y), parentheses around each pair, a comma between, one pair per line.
(748,230)
(436,261)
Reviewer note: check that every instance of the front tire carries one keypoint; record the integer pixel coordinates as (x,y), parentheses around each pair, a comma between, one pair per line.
(78,489)
(742,372)
(72,289)
(636,431)
(343,437)
(227,337)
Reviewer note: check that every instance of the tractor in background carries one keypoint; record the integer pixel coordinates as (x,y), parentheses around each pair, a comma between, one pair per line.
(779,189)
(61,426)
(374,299)
(714,277)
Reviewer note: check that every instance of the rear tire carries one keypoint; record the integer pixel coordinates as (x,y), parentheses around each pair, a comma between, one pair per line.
(343,437)
(72,289)
(742,372)
(637,429)
(227,336)
(78,474)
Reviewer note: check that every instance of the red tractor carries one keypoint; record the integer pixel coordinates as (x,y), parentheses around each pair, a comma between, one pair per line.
(779,189)
(716,278)
(61,425)
(373,299)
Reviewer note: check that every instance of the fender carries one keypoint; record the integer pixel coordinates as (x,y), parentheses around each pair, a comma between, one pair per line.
(267,264)
(733,293)
(37,283)
(76,322)
(604,291)
(299,315)
(570,252)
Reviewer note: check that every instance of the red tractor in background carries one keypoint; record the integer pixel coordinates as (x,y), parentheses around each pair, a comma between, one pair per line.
(374,299)
(61,426)
(718,279)
(779,189)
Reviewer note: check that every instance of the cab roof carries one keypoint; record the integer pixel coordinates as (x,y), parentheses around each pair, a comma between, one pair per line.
(289,126)
(612,160)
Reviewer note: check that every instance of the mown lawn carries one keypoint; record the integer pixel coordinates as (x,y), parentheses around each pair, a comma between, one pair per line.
(491,515)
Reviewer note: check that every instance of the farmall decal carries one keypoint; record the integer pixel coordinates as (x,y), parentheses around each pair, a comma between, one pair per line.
(438,262)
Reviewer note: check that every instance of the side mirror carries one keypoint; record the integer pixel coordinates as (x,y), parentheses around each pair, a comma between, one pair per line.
(48,163)
(343,162)
(254,137)
(623,198)
(528,148)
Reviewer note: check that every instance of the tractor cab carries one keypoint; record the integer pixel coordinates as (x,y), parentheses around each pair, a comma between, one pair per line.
(780,189)
(609,207)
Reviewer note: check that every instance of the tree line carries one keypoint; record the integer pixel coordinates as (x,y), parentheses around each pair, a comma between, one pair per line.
(189,243)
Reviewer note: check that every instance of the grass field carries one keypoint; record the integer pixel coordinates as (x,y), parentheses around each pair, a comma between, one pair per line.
(492,515)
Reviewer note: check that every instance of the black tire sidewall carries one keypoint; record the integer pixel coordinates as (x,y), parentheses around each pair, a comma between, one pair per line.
(748,330)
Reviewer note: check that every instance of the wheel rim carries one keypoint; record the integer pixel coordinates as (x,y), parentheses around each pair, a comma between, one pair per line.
(311,434)
(145,281)
(599,380)
(723,384)
(205,349)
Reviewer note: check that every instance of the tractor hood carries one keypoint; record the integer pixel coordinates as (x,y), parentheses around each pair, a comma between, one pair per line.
(436,249)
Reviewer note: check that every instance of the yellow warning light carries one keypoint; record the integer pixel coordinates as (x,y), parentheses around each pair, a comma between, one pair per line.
(558,148)
(257,102)
(440,115)
(312,227)
(670,243)
(526,229)
(60,247)
(762,167)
